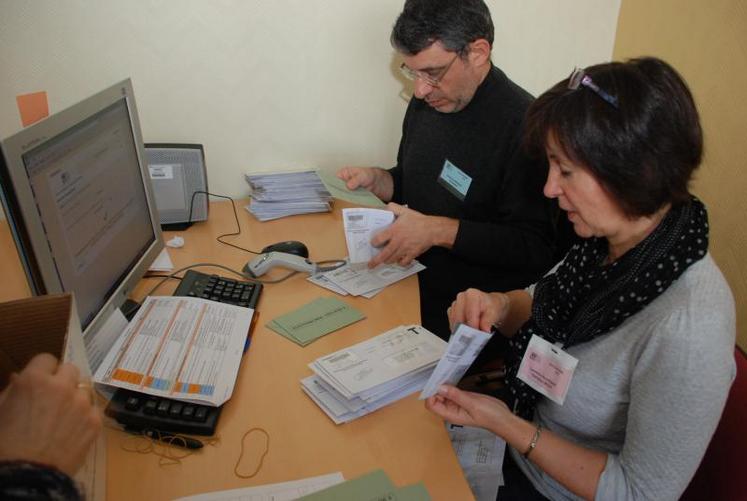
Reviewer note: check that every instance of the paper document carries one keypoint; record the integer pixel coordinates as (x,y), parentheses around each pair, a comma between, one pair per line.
(338,189)
(362,378)
(360,281)
(179,347)
(360,227)
(315,319)
(324,282)
(480,454)
(464,346)
(282,491)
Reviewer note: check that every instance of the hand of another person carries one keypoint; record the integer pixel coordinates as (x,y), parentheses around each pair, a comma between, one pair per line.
(46,418)
(405,239)
(467,408)
(374,179)
(478,309)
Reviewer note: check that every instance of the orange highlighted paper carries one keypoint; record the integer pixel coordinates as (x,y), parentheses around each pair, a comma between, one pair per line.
(32,107)
(127,376)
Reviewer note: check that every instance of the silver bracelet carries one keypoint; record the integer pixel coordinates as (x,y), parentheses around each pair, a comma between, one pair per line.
(533,443)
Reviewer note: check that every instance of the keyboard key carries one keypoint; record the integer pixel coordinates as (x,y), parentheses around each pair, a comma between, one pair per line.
(175,410)
(163,407)
(132,403)
(188,412)
(201,413)
(150,407)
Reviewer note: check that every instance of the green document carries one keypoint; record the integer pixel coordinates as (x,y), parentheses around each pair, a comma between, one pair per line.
(414,492)
(314,320)
(337,189)
(374,486)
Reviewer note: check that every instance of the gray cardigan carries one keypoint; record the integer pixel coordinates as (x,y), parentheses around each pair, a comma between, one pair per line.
(651,392)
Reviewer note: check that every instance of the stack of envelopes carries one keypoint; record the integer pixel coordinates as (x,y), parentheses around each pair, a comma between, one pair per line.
(286,194)
(355,381)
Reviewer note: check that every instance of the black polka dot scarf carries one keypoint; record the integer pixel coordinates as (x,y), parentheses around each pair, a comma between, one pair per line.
(586,298)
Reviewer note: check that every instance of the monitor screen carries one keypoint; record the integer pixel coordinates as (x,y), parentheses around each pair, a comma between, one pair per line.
(80,204)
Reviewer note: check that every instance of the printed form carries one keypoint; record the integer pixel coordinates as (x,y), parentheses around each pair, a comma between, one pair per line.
(179,347)
(360,227)
(464,346)
(480,454)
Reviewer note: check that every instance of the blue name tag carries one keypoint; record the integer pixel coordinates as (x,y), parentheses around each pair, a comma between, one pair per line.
(454,180)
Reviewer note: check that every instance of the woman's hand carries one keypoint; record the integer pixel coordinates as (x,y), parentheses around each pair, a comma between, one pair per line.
(47,417)
(468,409)
(478,309)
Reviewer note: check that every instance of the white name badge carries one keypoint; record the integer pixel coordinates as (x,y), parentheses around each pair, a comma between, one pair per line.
(454,180)
(547,369)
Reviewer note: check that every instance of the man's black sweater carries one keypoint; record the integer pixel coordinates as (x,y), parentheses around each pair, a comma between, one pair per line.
(506,232)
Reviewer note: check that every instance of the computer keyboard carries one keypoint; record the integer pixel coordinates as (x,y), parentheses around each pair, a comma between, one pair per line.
(138,411)
(221,289)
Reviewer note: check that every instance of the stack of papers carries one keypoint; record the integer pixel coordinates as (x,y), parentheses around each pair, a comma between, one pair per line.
(371,486)
(355,381)
(286,193)
(314,320)
(359,280)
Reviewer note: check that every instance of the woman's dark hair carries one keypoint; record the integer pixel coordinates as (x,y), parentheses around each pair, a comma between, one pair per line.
(643,151)
(454,23)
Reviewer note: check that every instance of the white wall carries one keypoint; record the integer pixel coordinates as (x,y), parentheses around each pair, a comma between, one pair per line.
(266,84)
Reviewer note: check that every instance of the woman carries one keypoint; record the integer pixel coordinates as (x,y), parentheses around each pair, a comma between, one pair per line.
(49,423)
(638,302)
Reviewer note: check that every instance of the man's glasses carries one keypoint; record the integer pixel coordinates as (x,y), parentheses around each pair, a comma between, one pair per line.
(433,81)
(579,77)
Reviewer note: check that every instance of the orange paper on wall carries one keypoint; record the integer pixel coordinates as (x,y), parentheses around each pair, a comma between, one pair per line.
(32,107)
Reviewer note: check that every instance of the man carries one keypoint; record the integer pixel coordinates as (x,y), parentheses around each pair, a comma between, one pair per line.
(474,210)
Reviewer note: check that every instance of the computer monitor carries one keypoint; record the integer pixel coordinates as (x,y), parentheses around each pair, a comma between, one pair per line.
(78,198)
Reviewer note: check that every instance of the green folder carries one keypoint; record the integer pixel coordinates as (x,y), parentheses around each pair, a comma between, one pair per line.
(338,189)
(315,319)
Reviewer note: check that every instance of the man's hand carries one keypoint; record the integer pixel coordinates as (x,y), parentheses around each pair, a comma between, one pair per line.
(411,234)
(46,418)
(374,179)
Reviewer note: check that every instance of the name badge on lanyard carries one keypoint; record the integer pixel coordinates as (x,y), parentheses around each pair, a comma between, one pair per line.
(547,369)
(454,180)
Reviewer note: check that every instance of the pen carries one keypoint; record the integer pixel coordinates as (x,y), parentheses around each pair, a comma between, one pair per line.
(168,438)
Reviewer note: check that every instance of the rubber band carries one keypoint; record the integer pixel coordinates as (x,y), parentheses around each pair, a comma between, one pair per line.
(261,459)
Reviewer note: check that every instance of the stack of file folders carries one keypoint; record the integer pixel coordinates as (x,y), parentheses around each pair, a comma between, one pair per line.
(362,378)
(286,193)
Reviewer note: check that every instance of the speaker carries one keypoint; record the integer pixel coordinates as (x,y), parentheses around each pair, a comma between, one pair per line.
(179,178)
